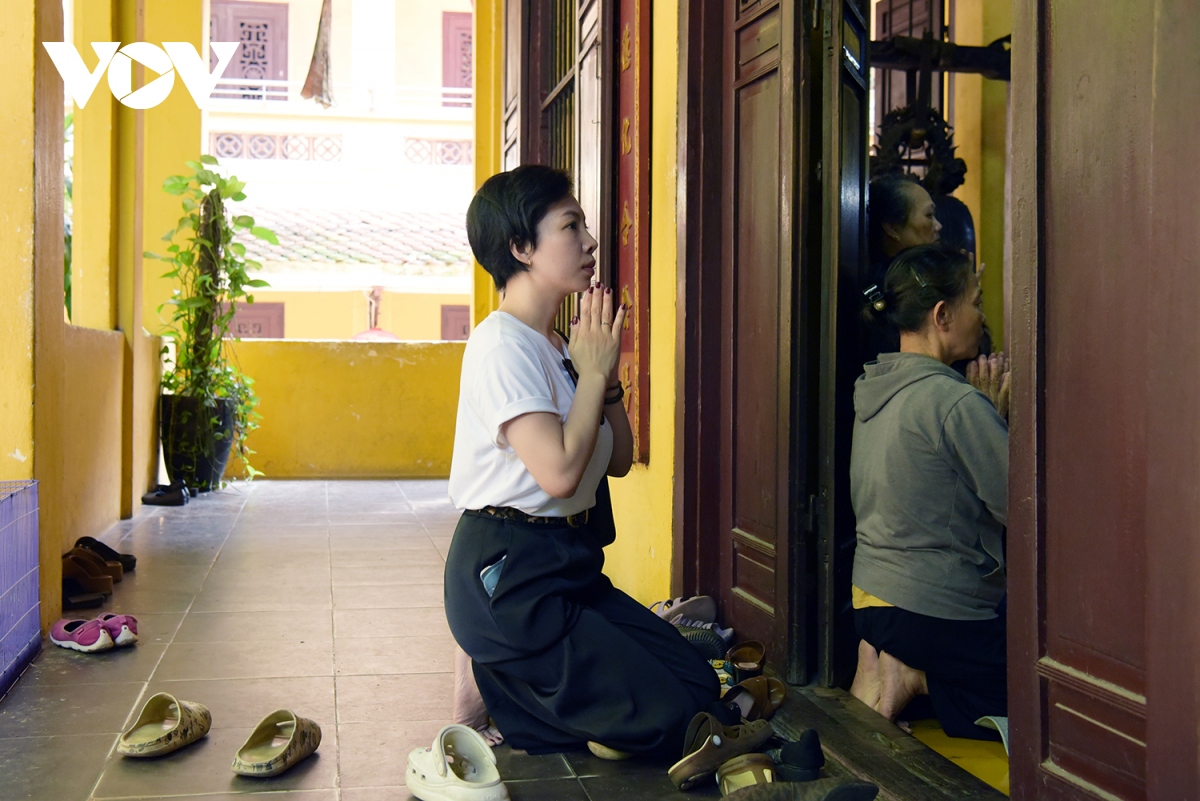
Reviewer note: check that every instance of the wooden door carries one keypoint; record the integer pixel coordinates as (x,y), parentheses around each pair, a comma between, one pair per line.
(1104,428)
(757,194)
(262,29)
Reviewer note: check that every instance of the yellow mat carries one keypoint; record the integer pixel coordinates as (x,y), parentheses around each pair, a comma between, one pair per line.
(983,759)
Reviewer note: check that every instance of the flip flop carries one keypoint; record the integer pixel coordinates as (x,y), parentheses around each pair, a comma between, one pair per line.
(820,790)
(747,659)
(708,745)
(744,771)
(128,561)
(757,698)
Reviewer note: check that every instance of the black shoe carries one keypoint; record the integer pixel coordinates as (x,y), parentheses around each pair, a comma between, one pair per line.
(165,496)
(802,760)
(128,561)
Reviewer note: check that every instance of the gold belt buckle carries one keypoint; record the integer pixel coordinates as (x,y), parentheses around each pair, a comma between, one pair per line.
(578,520)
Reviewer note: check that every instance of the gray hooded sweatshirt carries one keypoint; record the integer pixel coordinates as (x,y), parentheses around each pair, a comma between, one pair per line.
(929,482)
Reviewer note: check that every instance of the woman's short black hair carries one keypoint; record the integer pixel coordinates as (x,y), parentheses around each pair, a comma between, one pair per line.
(918,279)
(506,211)
(889,202)
(958,229)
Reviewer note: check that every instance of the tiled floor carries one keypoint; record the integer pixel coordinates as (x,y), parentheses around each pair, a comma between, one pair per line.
(323,597)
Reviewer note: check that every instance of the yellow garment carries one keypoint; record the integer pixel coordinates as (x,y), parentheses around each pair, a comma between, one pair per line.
(863,599)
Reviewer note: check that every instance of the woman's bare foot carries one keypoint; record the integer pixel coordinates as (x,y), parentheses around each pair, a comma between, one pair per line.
(900,684)
(867,686)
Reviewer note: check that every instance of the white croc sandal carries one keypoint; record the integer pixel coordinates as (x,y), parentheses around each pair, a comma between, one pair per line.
(459,766)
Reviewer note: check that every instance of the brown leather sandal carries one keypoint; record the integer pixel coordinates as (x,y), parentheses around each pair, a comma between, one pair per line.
(747,659)
(87,576)
(708,744)
(111,569)
(756,697)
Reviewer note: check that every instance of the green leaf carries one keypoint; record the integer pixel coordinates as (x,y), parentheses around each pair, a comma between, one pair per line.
(257,283)
(195,165)
(168,236)
(243,221)
(238,196)
(208,159)
(265,234)
(238,248)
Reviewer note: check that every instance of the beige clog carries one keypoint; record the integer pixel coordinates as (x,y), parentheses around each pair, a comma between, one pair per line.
(280,740)
(164,725)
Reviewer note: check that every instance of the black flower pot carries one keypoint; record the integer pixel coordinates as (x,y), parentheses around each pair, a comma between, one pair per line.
(197,439)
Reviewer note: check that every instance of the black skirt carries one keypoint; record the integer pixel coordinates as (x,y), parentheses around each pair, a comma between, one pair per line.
(965,664)
(561,656)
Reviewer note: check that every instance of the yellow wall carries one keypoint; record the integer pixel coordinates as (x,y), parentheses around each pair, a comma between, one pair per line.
(489,109)
(16,243)
(639,562)
(93,244)
(980,132)
(90,429)
(353,409)
(341,315)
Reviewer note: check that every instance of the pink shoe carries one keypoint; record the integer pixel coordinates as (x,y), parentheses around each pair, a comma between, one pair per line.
(81,635)
(121,628)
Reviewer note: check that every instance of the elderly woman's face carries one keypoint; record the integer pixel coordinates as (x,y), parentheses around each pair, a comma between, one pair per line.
(922,226)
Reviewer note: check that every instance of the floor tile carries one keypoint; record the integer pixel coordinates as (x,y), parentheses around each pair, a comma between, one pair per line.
(634,787)
(428,620)
(242,703)
(585,765)
(244,659)
(549,790)
(375,754)
(357,656)
(369,699)
(31,710)
(203,767)
(57,666)
(517,765)
(259,627)
(32,767)
(400,793)
(260,598)
(430,573)
(387,596)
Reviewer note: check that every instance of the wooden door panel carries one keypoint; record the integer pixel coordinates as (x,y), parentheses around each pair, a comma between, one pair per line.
(755,431)
(1078,622)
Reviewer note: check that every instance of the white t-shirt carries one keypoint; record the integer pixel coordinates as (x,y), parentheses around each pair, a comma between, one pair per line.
(509,370)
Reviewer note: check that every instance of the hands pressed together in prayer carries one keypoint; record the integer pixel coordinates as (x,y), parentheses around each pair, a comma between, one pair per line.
(992,376)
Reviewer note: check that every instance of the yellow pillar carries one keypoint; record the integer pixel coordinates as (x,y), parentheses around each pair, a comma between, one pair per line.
(49,328)
(489,110)
(997,22)
(17,54)
(94,219)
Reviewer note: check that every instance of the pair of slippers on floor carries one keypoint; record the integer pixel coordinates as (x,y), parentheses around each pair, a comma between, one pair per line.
(174,494)
(279,741)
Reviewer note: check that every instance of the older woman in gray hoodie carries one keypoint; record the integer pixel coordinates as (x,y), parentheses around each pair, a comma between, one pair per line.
(929,483)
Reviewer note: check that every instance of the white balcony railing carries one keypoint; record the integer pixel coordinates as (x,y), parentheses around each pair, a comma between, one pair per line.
(243,94)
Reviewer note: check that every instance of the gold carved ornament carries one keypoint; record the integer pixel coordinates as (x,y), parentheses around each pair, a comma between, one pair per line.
(626,139)
(626,49)
(626,224)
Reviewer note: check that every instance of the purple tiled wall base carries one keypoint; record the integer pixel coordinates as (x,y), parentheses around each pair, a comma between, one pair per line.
(20,609)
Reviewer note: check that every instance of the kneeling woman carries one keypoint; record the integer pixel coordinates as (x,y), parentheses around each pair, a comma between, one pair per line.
(929,483)
(561,657)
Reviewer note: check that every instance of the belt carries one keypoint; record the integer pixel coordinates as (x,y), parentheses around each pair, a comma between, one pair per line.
(509,513)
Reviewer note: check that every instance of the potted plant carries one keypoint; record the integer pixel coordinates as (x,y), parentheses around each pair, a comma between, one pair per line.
(208,406)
